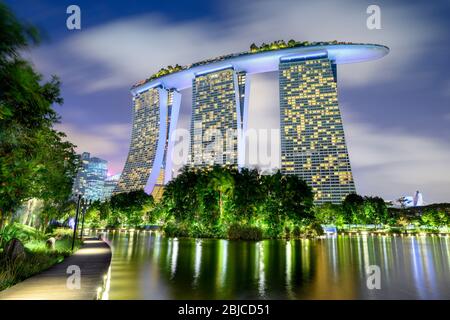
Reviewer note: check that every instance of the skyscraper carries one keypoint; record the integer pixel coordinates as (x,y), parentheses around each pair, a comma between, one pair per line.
(152,113)
(312,136)
(90,178)
(109,185)
(216,122)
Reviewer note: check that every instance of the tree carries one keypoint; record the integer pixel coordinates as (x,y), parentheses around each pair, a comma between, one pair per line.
(129,208)
(221,181)
(291,43)
(26,119)
(353,208)
(247,195)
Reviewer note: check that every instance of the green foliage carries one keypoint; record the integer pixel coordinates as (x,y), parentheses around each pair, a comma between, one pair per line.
(364,210)
(129,209)
(133,210)
(329,213)
(165,71)
(435,218)
(243,232)
(38,258)
(207,202)
(19,231)
(281,44)
(313,230)
(62,233)
(34,159)
(296,233)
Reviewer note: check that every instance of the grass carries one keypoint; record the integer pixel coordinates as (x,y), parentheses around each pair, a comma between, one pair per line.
(38,258)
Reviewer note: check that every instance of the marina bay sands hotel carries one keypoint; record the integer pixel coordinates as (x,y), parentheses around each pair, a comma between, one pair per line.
(313,144)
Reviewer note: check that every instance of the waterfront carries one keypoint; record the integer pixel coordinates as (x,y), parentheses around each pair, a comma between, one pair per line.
(147,265)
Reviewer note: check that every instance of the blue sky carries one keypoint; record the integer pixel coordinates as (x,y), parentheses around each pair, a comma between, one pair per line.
(396,110)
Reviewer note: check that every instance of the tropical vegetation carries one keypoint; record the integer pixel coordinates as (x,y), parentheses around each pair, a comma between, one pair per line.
(38,256)
(223,202)
(37,164)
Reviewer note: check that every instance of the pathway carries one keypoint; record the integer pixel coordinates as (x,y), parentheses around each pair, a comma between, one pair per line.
(93,258)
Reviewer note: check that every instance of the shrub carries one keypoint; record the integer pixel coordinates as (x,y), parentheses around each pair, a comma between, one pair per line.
(172,229)
(62,233)
(22,232)
(287,232)
(38,258)
(242,232)
(313,230)
(296,232)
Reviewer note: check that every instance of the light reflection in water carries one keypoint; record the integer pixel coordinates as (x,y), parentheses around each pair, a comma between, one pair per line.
(174,257)
(150,266)
(198,260)
(223,272)
(289,269)
(262,276)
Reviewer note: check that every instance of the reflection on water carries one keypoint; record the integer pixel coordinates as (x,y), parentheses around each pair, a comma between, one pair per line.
(147,265)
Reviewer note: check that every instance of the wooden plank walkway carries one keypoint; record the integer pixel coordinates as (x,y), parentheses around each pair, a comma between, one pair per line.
(93,258)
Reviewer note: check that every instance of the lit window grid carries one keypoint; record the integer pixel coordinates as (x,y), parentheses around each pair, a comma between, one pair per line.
(144,139)
(214,108)
(312,136)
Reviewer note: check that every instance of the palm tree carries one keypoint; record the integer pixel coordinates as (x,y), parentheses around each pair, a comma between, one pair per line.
(222,182)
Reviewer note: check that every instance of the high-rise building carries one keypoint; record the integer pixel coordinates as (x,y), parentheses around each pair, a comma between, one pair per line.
(90,178)
(109,185)
(152,113)
(216,122)
(312,136)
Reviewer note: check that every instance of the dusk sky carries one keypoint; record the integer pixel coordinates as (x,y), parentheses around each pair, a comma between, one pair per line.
(396,110)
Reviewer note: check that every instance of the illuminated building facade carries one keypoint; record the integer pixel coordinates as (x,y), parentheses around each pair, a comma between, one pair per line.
(90,179)
(312,135)
(216,122)
(109,186)
(149,146)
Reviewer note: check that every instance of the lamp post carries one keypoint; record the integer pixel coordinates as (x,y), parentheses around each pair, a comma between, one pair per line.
(85,207)
(76,221)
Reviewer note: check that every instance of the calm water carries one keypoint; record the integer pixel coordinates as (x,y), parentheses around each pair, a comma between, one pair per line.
(150,266)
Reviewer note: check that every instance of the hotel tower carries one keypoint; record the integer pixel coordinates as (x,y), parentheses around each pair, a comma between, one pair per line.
(312,135)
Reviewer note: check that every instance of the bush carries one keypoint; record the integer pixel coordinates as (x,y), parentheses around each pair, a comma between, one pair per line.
(313,230)
(173,230)
(242,232)
(287,232)
(38,258)
(296,232)
(22,232)
(62,233)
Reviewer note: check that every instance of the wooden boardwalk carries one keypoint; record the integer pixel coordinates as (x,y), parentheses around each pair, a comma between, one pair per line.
(93,258)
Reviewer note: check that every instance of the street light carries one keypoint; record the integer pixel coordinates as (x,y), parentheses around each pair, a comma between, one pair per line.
(85,207)
(76,221)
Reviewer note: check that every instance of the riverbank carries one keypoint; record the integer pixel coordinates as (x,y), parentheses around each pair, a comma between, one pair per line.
(60,282)
(349,232)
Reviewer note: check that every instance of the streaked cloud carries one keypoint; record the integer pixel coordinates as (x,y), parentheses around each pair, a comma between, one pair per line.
(119,53)
(104,141)
(393,162)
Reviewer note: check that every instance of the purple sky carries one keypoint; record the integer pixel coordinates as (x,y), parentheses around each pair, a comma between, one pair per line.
(396,110)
